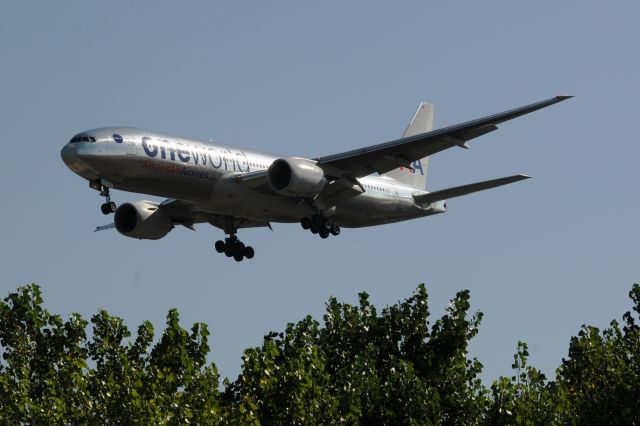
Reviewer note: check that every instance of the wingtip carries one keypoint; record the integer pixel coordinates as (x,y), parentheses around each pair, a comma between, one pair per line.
(563,97)
(523,176)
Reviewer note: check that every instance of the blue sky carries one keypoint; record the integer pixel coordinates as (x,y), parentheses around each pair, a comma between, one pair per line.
(540,257)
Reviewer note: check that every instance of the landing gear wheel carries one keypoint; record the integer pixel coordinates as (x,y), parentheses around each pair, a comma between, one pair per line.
(112,207)
(318,224)
(232,246)
(248,252)
(105,209)
(317,221)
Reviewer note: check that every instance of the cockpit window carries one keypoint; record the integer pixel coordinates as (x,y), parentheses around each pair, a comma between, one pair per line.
(77,139)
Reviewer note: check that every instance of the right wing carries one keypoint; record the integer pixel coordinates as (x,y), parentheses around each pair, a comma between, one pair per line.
(388,156)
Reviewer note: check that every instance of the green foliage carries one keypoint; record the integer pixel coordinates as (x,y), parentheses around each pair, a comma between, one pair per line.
(360,366)
(42,373)
(525,398)
(599,382)
(365,367)
(52,374)
(285,381)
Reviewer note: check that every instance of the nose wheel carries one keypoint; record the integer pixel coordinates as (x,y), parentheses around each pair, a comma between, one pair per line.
(320,225)
(108,208)
(233,247)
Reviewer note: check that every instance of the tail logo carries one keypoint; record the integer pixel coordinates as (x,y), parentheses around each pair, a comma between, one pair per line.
(417,165)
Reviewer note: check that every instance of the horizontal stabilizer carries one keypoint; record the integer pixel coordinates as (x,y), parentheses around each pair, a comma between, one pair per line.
(444,194)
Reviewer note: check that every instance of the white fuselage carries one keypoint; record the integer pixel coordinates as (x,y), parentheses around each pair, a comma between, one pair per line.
(204,173)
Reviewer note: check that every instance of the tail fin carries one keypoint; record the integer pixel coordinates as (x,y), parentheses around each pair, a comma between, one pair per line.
(421,122)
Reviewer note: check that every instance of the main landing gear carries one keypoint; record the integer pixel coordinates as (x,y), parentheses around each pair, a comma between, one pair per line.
(108,206)
(320,225)
(233,247)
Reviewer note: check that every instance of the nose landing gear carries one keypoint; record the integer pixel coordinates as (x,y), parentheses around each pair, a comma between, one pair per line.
(108,206)
(320,225)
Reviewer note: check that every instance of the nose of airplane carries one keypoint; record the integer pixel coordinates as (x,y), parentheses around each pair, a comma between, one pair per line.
(69,154)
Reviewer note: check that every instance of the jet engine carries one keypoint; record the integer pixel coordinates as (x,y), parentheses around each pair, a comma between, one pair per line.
(296,177)
(142,219)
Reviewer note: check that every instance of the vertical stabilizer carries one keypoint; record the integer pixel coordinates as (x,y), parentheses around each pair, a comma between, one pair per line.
(421,122)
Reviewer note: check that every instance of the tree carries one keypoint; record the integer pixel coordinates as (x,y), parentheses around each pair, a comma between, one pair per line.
(599,381)
(523,399)
(45,376)
(285,380)
(363,368)
(42,373)
(360,366)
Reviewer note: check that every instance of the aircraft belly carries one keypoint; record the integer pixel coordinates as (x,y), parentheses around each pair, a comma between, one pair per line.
(371,210)
(234,199)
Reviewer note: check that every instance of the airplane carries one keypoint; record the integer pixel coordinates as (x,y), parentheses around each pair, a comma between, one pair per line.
(233,188)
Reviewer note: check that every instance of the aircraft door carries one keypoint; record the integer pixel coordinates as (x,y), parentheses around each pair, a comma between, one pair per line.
(130,145)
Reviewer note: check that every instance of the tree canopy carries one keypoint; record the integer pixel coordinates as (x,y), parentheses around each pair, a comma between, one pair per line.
(360,365)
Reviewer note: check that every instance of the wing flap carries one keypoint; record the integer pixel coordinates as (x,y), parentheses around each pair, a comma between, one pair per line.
(337,191)
(443,194)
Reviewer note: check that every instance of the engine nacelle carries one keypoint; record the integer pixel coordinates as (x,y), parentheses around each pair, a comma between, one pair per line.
(296,177)
(144,220)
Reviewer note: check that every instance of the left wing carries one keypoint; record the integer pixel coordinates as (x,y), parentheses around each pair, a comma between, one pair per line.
(104,227)
(388,156)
